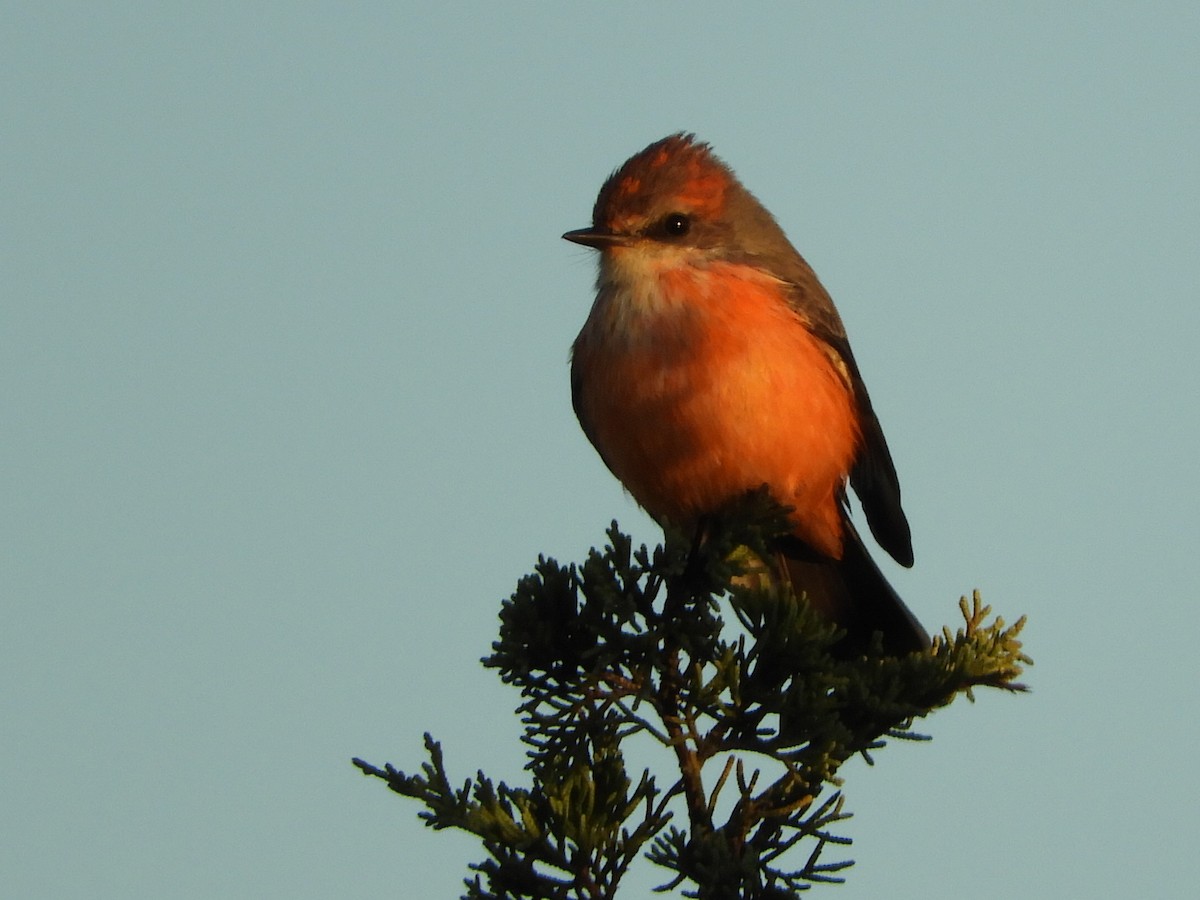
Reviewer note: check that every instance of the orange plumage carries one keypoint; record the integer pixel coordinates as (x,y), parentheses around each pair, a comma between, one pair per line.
(712,398)
(713,362)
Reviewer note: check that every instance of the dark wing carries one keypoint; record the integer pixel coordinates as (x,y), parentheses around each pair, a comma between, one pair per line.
(577,405)
(873,476)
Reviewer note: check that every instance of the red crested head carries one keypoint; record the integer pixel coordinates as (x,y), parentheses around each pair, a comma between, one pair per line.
(677,196)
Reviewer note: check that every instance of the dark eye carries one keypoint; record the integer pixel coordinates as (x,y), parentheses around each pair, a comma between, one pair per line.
(677,224)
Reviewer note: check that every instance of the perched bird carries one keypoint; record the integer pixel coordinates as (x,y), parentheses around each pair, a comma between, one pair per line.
(713,363)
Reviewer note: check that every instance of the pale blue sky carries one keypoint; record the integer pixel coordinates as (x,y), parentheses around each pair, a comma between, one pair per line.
(283,342)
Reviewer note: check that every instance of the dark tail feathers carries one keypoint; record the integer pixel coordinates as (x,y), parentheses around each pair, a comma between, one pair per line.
(853,592)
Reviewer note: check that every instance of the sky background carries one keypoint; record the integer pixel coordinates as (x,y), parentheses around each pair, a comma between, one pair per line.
(284,322)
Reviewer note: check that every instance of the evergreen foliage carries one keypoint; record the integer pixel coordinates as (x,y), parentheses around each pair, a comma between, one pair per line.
(757,714)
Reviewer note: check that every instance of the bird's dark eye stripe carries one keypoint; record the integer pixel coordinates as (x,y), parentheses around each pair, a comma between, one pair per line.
(677,224)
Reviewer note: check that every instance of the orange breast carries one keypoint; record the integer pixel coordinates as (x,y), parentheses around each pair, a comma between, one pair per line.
(709,386)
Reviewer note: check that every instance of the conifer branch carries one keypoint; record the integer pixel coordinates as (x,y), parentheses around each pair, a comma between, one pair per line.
(633,645)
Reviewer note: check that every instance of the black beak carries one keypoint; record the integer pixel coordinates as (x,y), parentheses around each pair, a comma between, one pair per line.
(597,238)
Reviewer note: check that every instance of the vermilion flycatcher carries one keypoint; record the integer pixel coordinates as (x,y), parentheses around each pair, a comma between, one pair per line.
(713,362)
